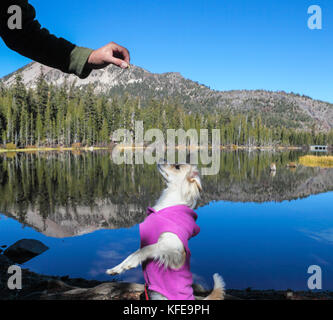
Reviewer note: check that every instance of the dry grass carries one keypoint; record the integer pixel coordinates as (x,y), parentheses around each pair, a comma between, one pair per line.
(317,161)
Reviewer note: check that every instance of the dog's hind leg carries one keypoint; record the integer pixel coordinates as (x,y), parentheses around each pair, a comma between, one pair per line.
(156,296)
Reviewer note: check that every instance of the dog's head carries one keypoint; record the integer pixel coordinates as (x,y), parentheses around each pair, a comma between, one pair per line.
(182,178)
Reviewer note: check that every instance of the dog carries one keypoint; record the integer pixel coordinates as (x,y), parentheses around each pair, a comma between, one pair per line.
(164,253)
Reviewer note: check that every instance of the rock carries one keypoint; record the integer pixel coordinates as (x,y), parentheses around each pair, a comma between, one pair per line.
(292,165)
(103,291)
(24,250)
(198,288)
(4,261)
(230,297)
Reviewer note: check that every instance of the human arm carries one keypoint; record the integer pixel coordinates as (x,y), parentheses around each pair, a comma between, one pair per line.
(38,44)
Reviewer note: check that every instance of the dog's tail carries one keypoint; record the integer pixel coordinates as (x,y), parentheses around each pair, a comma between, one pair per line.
(218,291)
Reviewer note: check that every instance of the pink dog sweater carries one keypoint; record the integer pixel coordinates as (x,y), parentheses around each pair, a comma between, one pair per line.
(180,220)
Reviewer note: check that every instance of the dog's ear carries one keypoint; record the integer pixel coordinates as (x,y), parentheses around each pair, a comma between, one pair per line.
(194,177)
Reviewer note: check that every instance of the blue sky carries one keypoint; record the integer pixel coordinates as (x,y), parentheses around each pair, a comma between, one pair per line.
(224,44)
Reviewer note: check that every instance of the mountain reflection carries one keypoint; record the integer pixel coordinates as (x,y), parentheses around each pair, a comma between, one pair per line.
(67,194)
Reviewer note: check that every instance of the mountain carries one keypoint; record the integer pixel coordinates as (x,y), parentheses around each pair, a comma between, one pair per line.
(276,108)
(70,222)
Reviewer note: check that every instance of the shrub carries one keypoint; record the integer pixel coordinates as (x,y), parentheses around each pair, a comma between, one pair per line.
(76,145)
(11,146)
(317,161)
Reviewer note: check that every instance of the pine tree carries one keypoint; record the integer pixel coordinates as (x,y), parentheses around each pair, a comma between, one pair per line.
(39,129)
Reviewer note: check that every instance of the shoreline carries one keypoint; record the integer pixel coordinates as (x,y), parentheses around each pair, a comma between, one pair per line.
(92,148)
(43,287)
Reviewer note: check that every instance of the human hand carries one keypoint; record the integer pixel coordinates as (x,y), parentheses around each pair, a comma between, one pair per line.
(110,53)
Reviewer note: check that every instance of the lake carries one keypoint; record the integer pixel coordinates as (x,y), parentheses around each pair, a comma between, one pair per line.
(258,229)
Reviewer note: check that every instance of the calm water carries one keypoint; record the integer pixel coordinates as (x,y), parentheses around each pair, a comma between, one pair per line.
(257,230)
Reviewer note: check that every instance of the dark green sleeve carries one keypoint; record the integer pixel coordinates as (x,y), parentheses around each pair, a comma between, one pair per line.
(38,44)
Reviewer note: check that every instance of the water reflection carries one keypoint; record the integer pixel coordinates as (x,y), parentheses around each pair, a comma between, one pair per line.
(67,194)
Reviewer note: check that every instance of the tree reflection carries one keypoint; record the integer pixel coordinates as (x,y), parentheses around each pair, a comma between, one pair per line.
(84,191)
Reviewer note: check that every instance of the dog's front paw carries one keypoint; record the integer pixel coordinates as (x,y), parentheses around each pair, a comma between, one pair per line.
(114,271)
(118,269)
(110,272)
(131,262)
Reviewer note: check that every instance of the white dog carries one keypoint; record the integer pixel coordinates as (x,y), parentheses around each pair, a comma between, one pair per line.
(164,235)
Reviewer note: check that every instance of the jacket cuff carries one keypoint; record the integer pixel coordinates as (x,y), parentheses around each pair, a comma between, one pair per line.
(78,59)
